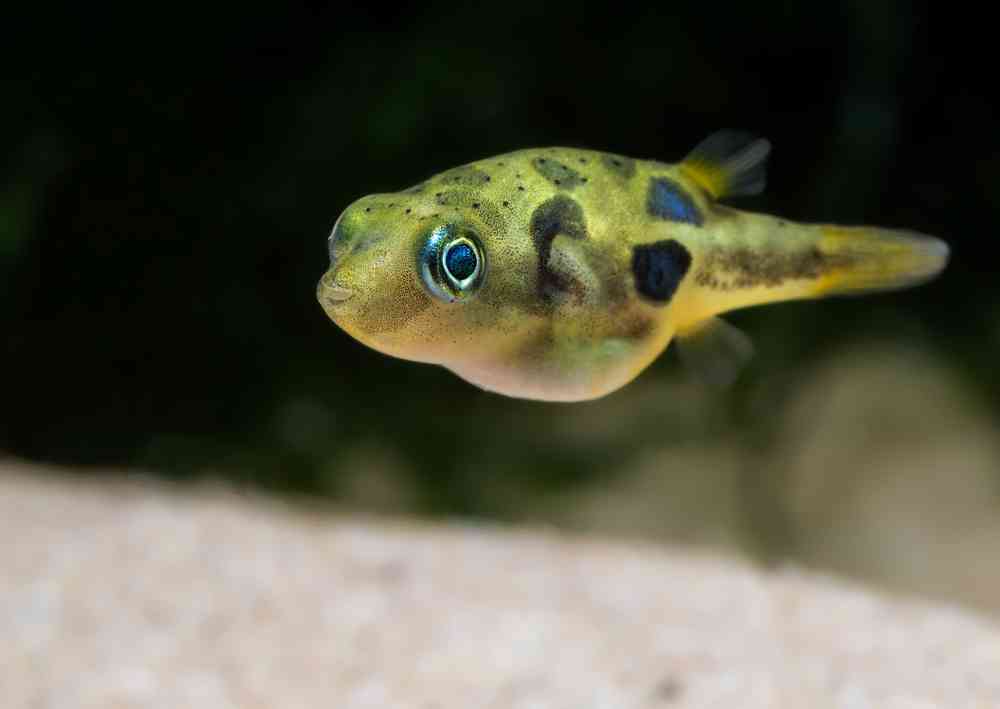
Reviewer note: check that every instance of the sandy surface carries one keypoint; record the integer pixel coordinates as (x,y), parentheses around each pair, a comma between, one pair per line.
(133,595)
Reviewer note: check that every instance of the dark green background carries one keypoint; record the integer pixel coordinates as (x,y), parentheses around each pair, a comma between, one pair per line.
(169,178)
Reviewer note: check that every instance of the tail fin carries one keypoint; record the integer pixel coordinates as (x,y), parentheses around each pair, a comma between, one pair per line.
(866,259)
(826,260)
(774,260)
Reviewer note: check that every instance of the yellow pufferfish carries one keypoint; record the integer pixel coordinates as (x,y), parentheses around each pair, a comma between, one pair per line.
(560,274)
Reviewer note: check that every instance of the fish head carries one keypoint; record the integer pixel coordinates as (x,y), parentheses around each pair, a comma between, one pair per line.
(425,281)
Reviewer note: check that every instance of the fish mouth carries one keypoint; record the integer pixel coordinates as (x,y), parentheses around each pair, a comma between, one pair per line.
(332,294)
(335,294)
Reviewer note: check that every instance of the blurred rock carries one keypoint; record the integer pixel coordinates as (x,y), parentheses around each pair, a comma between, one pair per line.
(130,594)
(890,474)
(881,465)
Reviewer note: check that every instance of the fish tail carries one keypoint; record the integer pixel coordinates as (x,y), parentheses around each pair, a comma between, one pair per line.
(868,259)
(774,260)
(813,261)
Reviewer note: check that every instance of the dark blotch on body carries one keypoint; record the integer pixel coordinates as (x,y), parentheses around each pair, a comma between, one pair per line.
(668,200)
(559,215)
(559,174)
(745,268)
(637,328)
(659,268)
(621,166)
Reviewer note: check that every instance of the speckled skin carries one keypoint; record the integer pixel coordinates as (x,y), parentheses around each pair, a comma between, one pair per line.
(559,315)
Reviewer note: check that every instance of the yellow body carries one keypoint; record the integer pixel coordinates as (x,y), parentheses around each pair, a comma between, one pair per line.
(588,264)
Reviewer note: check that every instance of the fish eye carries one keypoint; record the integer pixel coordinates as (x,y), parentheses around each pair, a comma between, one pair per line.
(451,263)
(461,262)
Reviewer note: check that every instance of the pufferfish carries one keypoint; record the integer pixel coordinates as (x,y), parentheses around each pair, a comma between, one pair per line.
(560,274)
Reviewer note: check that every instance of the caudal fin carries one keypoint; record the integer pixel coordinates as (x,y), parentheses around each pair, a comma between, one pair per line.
(867,259)
(808,261)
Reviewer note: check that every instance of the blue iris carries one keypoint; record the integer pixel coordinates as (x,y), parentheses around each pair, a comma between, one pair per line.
(461,261)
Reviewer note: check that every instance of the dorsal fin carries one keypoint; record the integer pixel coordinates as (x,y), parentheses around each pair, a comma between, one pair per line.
(729,163)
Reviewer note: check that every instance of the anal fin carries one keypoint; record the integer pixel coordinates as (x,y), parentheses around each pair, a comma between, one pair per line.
(715,350)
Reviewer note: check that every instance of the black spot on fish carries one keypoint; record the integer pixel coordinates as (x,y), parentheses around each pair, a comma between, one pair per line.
(557,173)
(456,198)
(726,269)
(467,176)
(667,200)
(621,166)
(559,215)
(659,268)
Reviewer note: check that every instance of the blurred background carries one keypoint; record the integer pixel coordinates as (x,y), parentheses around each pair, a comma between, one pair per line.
(167,184)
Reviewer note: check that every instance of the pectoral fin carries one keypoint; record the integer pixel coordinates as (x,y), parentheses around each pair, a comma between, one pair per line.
(715,350)
(729,163)
(572,275)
